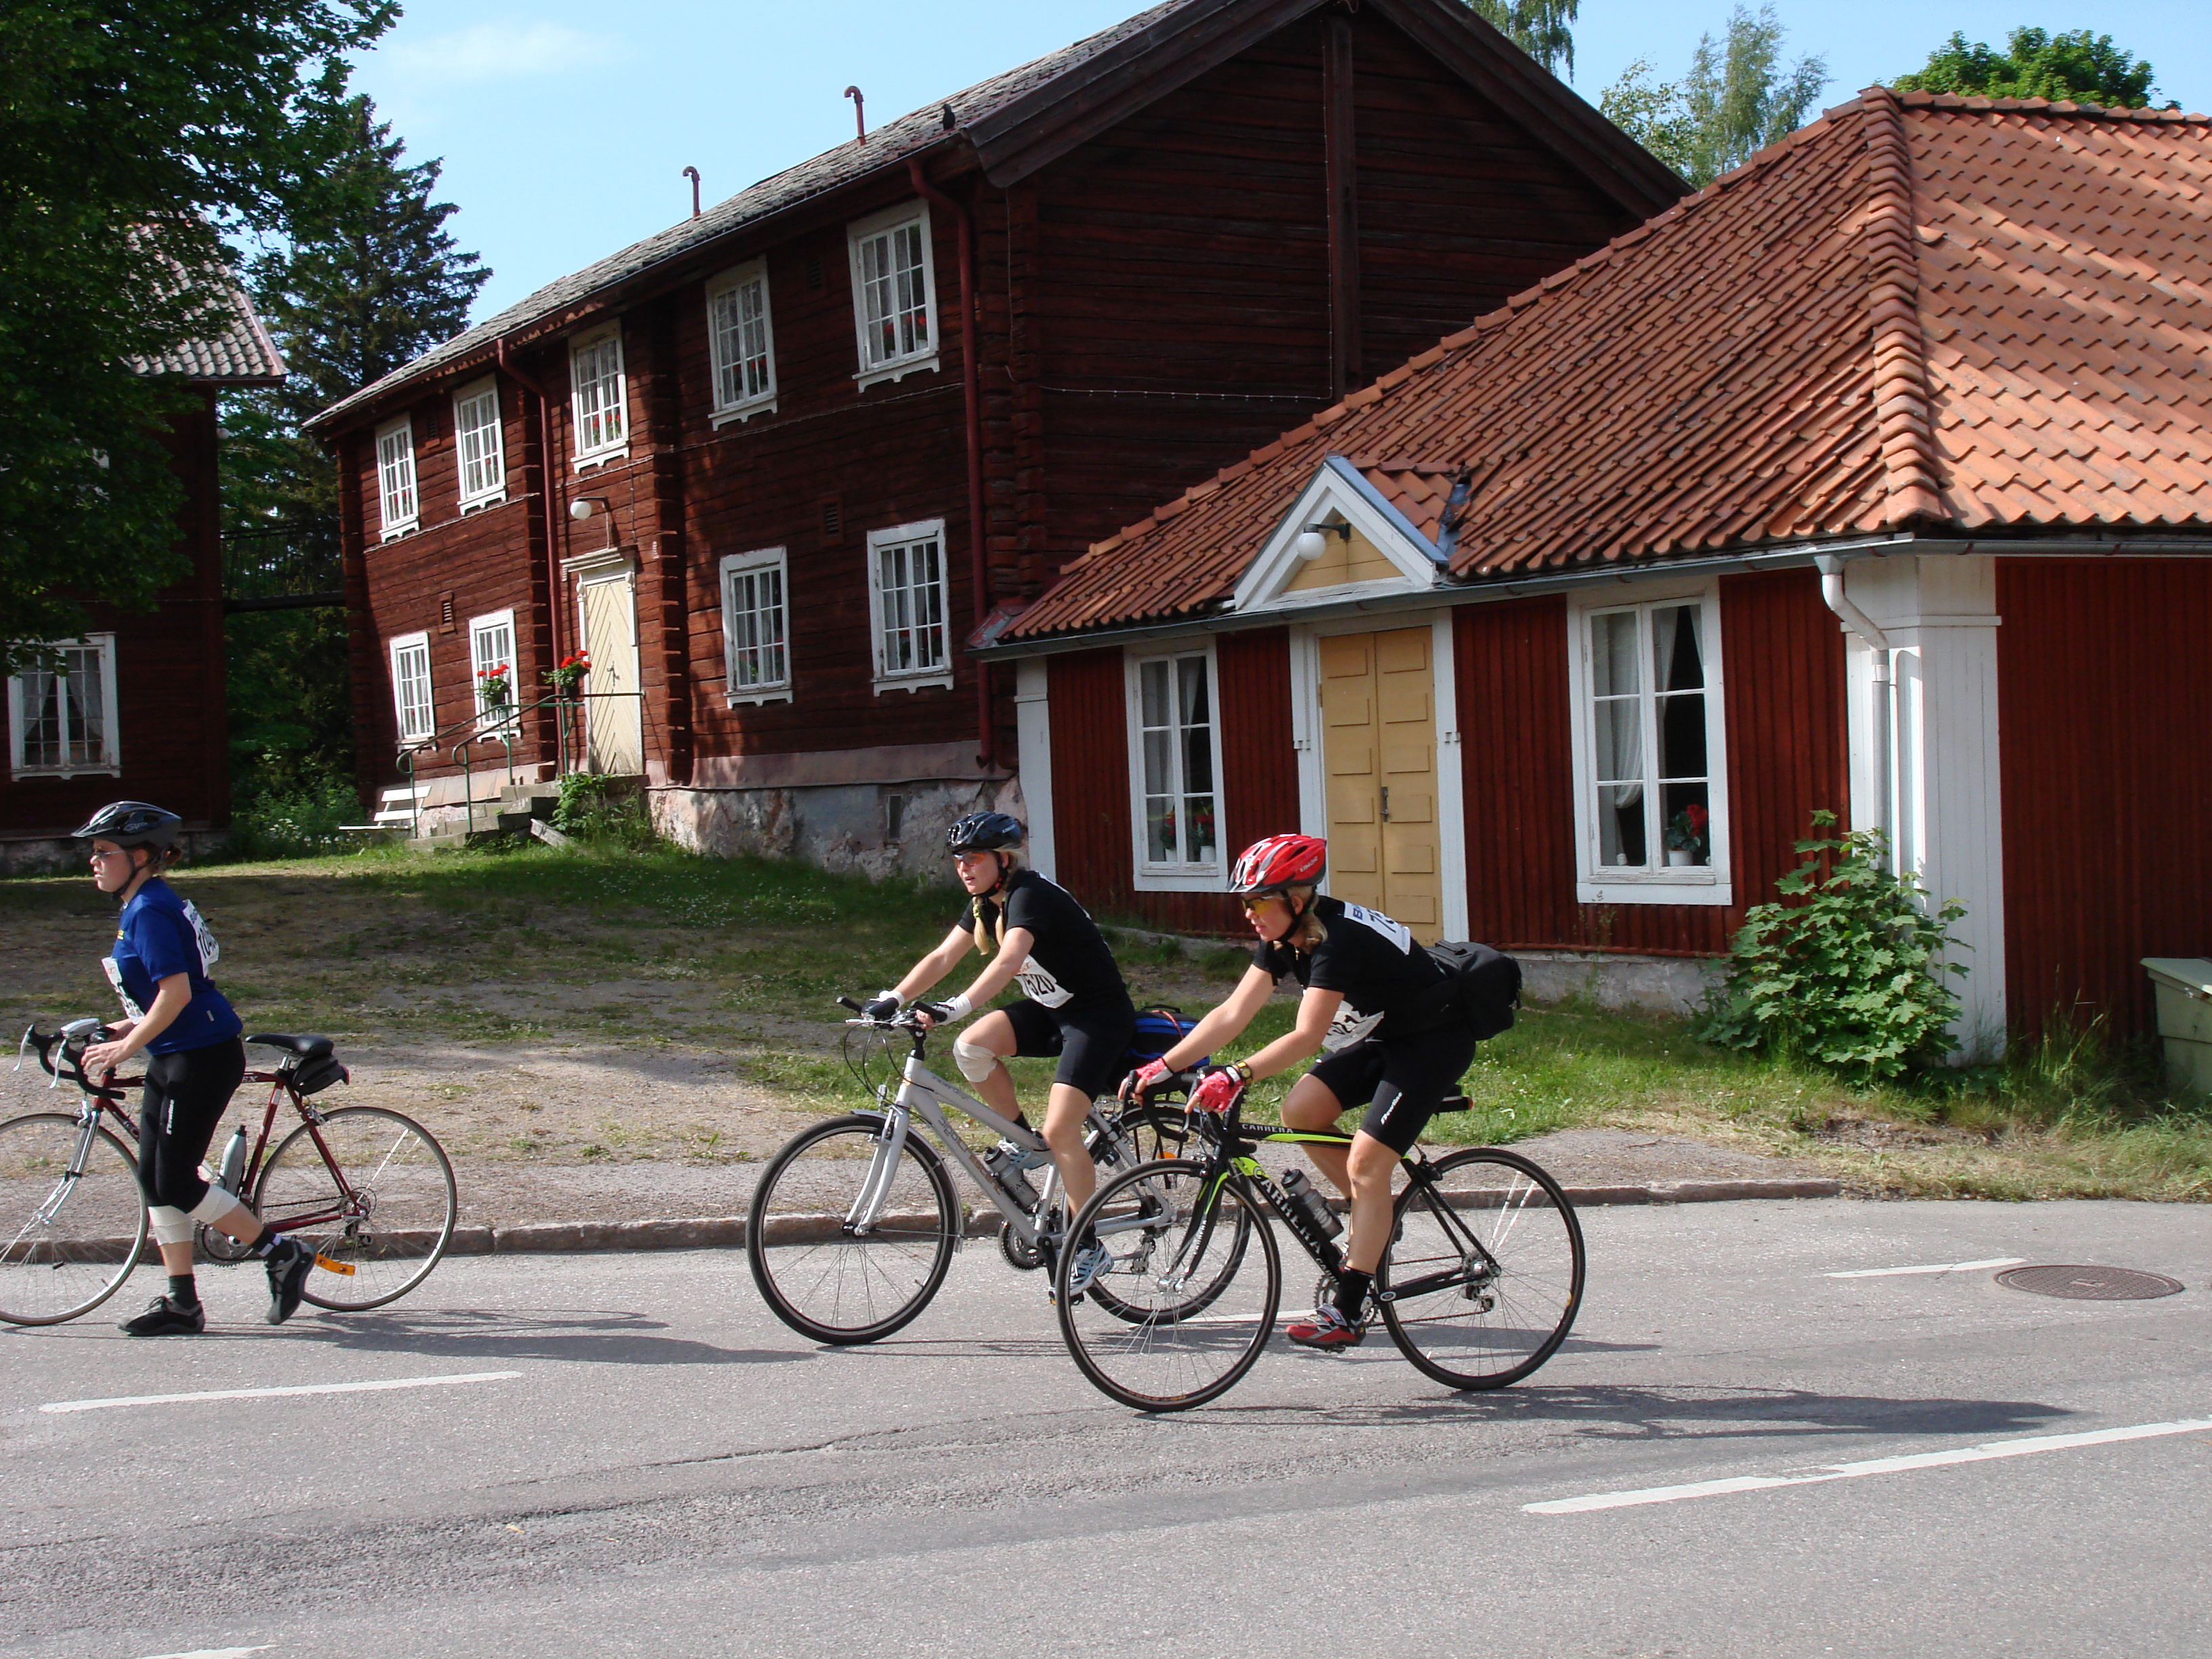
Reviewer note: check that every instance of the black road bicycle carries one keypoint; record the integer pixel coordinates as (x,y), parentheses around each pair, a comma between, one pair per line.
(1477,1287)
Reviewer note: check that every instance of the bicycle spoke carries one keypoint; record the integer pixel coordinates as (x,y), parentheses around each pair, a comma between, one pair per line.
(389,1220)
(67,1242)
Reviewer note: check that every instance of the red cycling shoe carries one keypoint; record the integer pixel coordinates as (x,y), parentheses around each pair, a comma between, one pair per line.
(1326,1326)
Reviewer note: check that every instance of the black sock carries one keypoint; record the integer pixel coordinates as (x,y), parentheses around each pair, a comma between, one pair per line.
(183,1291)
(261,1246)
(1352,1286)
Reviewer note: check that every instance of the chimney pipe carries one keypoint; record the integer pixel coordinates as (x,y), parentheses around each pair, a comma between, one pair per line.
(860,118)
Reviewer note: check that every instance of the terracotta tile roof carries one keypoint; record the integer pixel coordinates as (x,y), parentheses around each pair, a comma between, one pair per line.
(1916,312)
(241,355)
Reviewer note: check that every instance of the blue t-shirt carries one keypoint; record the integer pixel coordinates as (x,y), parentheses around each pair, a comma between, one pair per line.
(160,934)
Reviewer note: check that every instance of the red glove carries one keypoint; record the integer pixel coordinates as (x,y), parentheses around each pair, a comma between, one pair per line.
(1218,1090)
(1141,1082)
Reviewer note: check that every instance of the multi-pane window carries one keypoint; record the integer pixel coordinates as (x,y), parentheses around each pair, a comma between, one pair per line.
(755,629)
(476,441)
(597,400)
(744,349)
(491,658)
(908,599)
(1176,766)
(395,476)
(1650,715)
(894,293)
(411,687)
(61,711)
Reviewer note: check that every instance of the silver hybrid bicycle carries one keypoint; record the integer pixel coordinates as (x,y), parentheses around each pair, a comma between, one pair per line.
(852,1226)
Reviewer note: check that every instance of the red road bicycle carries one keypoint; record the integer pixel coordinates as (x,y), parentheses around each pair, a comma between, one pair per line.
(369,1190)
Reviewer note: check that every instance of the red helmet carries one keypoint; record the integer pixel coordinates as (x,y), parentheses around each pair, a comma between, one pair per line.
(1279,861)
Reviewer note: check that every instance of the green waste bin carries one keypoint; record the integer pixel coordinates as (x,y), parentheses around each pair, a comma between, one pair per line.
(2185,1016)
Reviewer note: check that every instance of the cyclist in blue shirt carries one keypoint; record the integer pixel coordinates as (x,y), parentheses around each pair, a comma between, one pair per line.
(194,1063)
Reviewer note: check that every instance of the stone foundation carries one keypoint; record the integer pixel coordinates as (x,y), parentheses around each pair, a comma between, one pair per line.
(873,830)
(1616,979)
(59,855)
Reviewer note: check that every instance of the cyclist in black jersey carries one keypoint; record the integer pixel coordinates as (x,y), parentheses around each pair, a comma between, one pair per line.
(1073,1004)
(194,1062)
(1378,1003)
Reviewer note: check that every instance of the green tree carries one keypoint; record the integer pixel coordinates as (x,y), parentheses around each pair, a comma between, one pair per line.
(1736,100)
(1542,28)
(2078,67)
(364,278)
(133,137)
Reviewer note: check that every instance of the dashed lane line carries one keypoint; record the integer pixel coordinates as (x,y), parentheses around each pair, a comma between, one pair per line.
(275,1394)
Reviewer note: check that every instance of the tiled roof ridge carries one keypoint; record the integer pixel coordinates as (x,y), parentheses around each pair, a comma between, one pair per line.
(1948,100)
(1904,427)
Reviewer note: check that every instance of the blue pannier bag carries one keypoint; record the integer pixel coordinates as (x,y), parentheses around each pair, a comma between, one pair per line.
(1159,1030)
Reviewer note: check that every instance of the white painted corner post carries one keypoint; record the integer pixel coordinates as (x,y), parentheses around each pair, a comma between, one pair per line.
(1033,734)
(1944,797)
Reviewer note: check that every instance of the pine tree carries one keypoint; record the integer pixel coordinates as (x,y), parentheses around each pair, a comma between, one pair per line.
(365,279)
(1736,100)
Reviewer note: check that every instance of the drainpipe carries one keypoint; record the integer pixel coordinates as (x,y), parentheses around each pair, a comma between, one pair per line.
(972,387)
(546,470)
(1857,622)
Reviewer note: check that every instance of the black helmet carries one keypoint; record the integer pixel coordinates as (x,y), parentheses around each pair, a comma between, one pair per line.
(132,824)
(984,832)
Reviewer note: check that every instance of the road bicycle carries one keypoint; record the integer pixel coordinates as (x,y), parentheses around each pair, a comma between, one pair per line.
(370,1191)
(1478,1287)
(852,1226)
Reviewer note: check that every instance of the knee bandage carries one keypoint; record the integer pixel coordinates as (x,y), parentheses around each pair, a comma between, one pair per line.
(168,1226)
(216,1205)
(974,1063)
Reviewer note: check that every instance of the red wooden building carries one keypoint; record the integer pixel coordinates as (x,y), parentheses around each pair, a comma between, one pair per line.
(134,708)
(1876,477)
(771,467)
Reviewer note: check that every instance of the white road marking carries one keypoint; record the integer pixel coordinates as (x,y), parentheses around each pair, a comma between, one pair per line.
(1995,1449)
(1940,1268)
(214,1653)
(274,1394)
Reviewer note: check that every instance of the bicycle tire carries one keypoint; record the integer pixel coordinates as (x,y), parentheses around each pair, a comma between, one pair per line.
(1153,1132)
(1470,1322)
(395,1227)
(824,1283)
(1171,1215)
(57,1266)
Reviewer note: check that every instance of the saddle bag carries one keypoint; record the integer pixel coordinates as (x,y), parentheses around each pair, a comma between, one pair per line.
(1484,984)
(313,1075)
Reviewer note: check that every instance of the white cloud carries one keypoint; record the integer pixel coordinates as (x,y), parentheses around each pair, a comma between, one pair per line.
(496,52)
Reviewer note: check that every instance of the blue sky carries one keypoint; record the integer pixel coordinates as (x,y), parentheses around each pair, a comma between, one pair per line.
(565,126)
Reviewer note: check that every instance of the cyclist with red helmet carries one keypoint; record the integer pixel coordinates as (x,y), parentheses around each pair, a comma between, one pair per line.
(1396,1044)
(1074,1003)
(195,1061)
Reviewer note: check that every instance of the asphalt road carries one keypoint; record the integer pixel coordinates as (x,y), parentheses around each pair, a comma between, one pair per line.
(649,1464)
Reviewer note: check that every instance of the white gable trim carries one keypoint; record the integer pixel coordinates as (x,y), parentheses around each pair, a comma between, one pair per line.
(1339,488)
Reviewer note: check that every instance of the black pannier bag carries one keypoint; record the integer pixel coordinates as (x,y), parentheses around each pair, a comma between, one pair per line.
(1486,984)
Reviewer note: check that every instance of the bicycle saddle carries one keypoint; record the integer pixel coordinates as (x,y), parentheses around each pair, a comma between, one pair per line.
(307,1047)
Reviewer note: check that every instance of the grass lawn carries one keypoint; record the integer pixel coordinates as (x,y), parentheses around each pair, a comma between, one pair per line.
(619,957)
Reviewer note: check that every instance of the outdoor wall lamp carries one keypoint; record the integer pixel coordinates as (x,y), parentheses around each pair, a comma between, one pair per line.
(1312,540)
(580,509)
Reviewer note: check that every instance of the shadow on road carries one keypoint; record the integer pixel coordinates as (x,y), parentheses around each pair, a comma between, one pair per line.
(594,1337)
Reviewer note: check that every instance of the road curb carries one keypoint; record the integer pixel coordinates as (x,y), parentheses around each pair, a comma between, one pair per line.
(729,1232)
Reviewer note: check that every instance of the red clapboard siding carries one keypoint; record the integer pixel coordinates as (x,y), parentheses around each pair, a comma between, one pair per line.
(2104,698)
(1783,660)
(1258,766)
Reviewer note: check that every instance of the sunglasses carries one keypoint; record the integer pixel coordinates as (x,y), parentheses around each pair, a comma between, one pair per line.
(1252,901)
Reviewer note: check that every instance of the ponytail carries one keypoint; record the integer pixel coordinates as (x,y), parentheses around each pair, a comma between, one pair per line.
(984,944)
(1311,931)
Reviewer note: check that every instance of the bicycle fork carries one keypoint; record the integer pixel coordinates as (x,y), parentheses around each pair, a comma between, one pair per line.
(867,1208)
(86,1128)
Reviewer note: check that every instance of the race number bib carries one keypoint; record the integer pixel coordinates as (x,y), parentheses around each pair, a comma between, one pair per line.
(210,952)
(115,978)
(1396,932)
(1039,986)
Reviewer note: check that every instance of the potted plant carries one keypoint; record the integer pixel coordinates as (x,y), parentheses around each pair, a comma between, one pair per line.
(496,688)
(569,673)
(1685,834)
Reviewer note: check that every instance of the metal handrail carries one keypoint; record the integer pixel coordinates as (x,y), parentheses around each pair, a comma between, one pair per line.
(508,721)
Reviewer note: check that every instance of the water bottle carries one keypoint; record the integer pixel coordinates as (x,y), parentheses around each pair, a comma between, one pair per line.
(234,1162)
(1300,1191)
(1002,1165)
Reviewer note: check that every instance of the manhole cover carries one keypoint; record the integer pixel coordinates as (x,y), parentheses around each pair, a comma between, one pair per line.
(2090,1284)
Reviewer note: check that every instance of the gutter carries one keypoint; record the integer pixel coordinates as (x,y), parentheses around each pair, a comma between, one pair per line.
(554,594)
(1831,567)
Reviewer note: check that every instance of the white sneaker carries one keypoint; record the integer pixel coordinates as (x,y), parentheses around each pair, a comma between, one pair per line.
(1090,1261)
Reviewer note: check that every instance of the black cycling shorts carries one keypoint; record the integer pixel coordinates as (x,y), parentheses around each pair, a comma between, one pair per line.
(1403,1080)
(186,1093)
(1092,1043)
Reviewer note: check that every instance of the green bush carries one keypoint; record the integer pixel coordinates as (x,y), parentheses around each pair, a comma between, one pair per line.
(605,810)
(1847,976)
(292,817)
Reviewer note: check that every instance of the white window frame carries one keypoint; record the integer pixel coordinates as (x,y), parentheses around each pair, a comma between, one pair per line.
(486,627)
(110,761)
(898,364)
(727,288)
(607,447)
(1659,884)
(734,565)
(409,733)
(910,679)
(1149,875)
(399,498)
(491,458)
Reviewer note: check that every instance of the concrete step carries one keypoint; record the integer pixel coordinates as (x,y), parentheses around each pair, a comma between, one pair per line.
(536,799)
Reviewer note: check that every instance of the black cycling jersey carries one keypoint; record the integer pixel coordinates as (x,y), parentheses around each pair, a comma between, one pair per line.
(1387,980)
(1069,965)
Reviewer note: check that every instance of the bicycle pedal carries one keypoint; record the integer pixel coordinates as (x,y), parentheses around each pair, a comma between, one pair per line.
(324,1262)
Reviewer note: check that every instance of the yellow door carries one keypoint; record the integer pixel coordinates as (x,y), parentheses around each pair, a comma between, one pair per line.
(1379,750)
(613,711)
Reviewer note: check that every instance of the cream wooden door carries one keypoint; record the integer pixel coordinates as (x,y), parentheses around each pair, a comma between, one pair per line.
(1379,752)
(614,726)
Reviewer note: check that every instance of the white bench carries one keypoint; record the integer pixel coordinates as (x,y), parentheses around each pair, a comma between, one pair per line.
(395,811)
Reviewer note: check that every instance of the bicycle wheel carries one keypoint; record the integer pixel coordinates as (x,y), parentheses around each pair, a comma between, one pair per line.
(392,1222)
(824,1281)
(1147,1134)
(1483,1278)
(67,1243)
(1186,1309)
